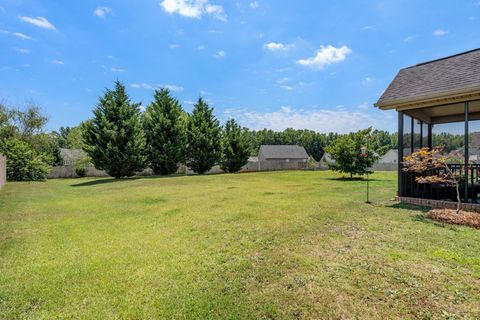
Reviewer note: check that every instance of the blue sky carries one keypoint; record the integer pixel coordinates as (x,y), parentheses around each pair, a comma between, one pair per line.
(303,64)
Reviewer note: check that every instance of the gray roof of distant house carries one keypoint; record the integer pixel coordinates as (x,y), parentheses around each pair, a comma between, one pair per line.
(283,152)
(457,73)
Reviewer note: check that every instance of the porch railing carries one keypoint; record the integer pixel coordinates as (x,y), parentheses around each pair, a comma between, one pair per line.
(441,191)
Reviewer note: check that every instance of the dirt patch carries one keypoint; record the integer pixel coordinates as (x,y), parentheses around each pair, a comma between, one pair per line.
(465,218)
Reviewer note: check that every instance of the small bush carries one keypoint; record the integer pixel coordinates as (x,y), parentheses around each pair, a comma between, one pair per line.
(81,171)
(81,166)
(23,163)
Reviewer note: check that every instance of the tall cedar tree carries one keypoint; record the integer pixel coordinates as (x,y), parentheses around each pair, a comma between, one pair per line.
(347,154)
(165,130)
(204,138)
(114,138)
(236,147)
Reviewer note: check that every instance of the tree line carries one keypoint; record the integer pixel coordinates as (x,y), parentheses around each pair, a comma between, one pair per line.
(122,139)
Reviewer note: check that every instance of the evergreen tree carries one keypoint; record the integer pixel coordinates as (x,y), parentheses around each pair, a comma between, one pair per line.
(236,147)
(203,134)
(165,131)
(114,138)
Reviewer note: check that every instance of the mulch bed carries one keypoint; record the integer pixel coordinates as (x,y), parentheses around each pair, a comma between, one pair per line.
(465,218)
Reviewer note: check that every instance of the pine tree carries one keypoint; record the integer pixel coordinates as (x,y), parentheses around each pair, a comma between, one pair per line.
(114,138)
(204,138)
(236,147)
(165,131)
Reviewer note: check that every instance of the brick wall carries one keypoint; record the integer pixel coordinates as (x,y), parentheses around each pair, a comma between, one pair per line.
(439,204)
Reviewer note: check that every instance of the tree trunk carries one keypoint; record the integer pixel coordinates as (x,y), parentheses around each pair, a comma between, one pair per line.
(351,175)
(459,201)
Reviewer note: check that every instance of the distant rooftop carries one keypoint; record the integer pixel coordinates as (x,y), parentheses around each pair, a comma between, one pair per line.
(283,152)
(453,74)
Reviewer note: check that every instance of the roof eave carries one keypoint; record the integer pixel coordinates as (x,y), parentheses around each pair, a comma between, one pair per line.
(447,97)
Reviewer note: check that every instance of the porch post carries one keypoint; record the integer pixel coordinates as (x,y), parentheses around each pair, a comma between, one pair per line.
(400,154)
(412,132)
(421,135)
(466,151)
(430,130)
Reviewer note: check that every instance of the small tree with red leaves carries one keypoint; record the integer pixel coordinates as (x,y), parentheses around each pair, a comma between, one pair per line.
(424,160)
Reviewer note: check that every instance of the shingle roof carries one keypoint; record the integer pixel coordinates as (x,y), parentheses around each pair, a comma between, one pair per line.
(459,72)
(283,152)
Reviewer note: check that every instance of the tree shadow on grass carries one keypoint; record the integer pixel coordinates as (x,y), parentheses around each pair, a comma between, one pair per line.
(408,206)
(101,181)
(348,179)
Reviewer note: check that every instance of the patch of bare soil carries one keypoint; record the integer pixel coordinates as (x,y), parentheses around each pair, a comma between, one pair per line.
(465,218)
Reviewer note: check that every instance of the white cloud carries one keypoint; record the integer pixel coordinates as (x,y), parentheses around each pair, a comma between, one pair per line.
(102,12)
(288,88)
(339,120)
(22,36)
(22,50)
(367,81)
(278,46)
(172,87)
(193,8)
(117,70)
(325,56)
(283,80)
(409,38)
(216,11)
(59,62)
(221,54)
(40,22)
(141,86)
(201,47)
(254,4)
(173,46)
(440,32)
(367,28)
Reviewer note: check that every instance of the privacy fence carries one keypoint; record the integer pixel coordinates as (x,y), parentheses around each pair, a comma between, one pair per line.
(3,171)
(68,171)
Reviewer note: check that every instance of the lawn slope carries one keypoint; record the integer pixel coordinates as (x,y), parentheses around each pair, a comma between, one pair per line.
(273,245)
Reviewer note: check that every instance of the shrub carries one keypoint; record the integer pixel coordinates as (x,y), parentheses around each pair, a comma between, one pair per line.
(23,163)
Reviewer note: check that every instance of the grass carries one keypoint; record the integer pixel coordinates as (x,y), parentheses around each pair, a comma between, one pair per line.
(284,245)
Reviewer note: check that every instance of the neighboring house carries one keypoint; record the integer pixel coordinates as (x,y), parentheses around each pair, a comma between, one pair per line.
(282,157)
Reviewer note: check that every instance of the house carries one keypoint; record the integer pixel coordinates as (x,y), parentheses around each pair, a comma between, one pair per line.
(428,96)
(282,157)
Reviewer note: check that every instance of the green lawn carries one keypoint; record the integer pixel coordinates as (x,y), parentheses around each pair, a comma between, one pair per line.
(284,245)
